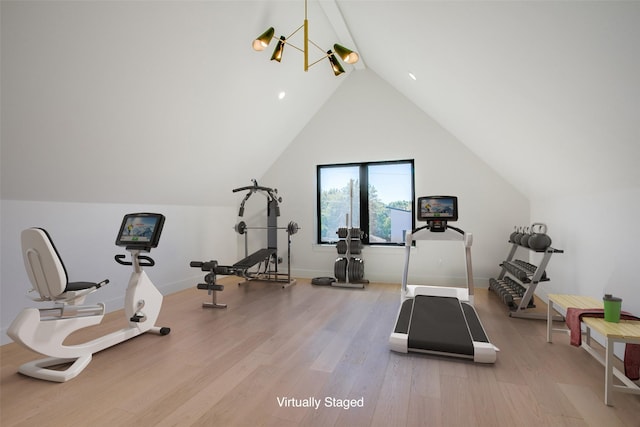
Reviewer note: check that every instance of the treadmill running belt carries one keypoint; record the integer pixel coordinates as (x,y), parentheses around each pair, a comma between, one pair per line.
(438,324)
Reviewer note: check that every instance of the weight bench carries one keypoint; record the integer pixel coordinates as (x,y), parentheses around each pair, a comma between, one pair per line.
(255,258)
(263,255)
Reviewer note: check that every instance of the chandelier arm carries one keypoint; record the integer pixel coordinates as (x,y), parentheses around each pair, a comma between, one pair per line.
(324,57)
(306,39)
(292,45)
(319,48)
(297,29)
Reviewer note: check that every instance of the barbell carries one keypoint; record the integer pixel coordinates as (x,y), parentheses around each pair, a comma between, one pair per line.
(242,227)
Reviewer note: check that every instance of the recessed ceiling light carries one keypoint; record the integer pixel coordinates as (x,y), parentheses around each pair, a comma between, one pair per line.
(413,77)
(281,95)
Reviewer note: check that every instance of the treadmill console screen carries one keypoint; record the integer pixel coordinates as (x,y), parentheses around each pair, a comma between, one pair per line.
(437,208)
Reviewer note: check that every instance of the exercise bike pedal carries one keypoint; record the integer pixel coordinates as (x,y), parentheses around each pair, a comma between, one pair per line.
(137,318)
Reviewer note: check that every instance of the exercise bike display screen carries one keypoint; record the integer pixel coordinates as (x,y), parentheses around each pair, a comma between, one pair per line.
(437,208)
(140,230)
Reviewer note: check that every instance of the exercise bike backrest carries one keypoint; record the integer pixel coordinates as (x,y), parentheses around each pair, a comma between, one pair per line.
(46,270)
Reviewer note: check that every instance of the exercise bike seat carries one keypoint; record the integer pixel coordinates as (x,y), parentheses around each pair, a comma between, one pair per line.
(47,272)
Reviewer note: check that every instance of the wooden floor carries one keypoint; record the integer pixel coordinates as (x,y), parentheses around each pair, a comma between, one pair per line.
(234,367)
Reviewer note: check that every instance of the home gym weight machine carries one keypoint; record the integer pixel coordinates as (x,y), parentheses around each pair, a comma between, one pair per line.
(45,330)
(265,259)
(440,320)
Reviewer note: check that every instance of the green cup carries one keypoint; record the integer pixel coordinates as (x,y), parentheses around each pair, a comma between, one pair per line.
(612,307)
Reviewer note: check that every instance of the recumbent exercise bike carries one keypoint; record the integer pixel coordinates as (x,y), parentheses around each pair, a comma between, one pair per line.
(45,330)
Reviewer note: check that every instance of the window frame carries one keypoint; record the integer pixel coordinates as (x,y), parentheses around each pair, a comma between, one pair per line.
(364,198)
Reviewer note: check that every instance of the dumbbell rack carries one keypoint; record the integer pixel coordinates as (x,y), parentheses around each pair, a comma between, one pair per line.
(349,269)
(518,279)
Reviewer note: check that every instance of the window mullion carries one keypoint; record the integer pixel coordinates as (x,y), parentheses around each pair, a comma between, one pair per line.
(364,202)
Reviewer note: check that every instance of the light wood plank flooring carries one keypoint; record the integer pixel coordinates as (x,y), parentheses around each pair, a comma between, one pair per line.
(231,367)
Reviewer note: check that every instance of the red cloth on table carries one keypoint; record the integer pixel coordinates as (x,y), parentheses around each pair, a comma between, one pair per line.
(631,351)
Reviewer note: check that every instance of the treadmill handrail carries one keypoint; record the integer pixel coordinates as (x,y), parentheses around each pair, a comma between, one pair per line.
(423,233)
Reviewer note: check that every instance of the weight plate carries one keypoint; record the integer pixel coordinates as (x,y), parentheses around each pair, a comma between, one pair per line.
(241,227)
(292,227)
(356,269)
(340,269)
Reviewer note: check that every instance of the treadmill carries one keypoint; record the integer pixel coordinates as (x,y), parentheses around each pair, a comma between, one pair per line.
(440,320)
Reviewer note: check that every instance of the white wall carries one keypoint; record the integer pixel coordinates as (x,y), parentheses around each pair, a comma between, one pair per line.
(85,234)
(367,120)
(600,237)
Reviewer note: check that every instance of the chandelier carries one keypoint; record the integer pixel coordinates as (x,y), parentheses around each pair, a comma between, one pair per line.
(347,55)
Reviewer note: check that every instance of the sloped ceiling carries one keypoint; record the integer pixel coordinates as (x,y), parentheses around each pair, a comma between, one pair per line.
(547,93)
(169,99)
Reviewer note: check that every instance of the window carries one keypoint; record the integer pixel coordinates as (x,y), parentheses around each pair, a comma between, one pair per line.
(377,197)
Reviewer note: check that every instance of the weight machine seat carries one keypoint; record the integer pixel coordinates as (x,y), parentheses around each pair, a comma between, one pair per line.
(254,258)
(46,270)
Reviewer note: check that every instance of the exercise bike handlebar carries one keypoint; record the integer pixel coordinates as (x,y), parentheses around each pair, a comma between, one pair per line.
(146,261)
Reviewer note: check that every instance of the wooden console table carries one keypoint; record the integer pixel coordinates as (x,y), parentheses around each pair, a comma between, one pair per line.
(627,331)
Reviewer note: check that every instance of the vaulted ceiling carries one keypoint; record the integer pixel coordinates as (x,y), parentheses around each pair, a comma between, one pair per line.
(547,93)
(538,90)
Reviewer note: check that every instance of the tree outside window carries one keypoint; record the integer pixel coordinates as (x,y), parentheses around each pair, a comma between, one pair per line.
(376,197)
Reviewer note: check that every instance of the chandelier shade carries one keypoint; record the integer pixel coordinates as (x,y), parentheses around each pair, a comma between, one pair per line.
(277,52)
(263,40)
(335,65)
(347,55)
